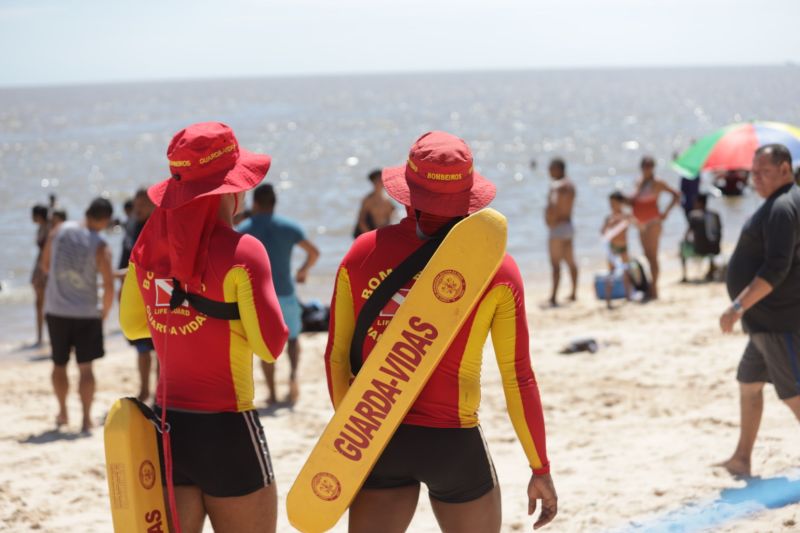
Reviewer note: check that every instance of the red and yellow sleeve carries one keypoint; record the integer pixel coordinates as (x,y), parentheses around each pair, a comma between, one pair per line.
(249,283)
(132,312)
(510,340)
(340,335)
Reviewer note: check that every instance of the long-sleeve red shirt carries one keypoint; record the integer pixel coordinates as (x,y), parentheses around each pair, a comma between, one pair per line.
(208,362)
(451,397)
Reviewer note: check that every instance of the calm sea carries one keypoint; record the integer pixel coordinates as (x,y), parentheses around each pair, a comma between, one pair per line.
(326,133)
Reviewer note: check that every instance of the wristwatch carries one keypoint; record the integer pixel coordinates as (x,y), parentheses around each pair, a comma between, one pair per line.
(737,306)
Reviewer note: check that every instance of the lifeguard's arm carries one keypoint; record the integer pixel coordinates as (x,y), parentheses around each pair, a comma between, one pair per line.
(132,314)
(249,283)
(340,335)
(103,260)
(510,340)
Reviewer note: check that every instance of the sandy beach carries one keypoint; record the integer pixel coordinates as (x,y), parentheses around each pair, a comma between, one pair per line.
(632,430)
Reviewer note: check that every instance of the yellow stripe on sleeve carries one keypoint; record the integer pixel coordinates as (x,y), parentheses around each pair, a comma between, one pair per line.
(469,371)
(237,287)
(344,325)
(504,339)
(132,312)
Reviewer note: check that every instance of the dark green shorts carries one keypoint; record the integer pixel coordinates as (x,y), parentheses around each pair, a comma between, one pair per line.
(772,358)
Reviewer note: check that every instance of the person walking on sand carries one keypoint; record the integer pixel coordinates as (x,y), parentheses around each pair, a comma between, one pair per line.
(204,294)
(279,235)
(763,281)
(141,209)
(558,217)
(376,209)
(74,256)
(649,217)
(440,442)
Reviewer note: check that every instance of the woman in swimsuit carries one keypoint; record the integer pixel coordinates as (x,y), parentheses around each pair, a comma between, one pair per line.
(648,216)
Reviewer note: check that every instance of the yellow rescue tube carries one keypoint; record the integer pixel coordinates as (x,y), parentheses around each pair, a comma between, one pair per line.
(437,306)
(134,470)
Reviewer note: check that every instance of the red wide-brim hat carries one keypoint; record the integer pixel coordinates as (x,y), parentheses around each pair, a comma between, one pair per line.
(455,189)
(205,159)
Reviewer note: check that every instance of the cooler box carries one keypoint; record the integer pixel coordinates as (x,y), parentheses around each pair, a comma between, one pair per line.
(617,286)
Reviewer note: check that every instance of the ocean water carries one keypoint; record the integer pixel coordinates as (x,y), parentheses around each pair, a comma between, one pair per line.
(326,133)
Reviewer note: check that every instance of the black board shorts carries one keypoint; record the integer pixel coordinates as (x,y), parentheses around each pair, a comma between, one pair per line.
(772,358)
(83,334)
(142,345)
(223,454)
(454,463)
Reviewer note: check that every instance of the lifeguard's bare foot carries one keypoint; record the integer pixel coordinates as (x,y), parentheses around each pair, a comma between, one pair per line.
(61,420)
(736,467)
(87,426)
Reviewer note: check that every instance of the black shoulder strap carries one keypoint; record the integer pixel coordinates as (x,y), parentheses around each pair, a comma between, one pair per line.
(395,281)
(212,308)
(148,413)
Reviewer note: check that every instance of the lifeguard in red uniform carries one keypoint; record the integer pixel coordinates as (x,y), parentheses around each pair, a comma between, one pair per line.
(440,442)
(204,294)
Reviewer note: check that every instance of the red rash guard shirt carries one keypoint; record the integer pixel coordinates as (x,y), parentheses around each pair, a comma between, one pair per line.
(208,362)
(451,397)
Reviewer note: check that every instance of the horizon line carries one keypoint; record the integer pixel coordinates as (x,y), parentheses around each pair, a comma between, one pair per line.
(377,73)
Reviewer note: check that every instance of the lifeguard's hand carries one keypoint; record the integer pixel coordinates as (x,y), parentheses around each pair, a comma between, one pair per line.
(301,275)
(542,488)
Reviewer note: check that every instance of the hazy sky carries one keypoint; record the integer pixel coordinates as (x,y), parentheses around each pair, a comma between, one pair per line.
(67,41)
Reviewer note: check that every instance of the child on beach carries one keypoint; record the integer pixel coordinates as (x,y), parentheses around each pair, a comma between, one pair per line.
(615,235)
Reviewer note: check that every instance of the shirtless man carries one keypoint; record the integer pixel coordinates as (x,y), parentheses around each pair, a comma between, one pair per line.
(558,216)
(376,208)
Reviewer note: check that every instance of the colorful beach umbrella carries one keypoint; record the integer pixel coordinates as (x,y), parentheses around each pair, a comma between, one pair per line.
(732,147)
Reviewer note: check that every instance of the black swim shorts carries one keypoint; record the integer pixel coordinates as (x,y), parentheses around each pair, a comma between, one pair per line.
(142,345)
(223,454)
(454,463)
(772,358)
(83,334)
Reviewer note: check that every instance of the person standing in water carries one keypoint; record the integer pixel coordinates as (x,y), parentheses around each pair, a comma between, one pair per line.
(376,209)
(649,217)
(40,217)
(279,235)
(73,258)
(561,232)
(440,442)
(204,294)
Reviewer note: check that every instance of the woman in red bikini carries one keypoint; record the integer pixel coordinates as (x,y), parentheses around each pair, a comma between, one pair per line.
(648,216)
